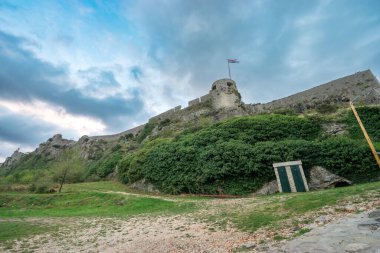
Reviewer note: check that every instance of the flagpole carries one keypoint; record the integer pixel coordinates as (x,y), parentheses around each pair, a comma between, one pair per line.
(229,71)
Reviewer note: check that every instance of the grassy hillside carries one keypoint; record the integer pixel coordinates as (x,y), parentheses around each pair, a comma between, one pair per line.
(234,156)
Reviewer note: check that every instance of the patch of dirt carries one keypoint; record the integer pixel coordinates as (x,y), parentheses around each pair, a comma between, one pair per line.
(180,233)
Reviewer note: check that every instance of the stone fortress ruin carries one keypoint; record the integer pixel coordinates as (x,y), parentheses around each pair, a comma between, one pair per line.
(224,100)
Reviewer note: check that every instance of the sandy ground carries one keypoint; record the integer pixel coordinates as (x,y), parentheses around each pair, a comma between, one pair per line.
(179,233)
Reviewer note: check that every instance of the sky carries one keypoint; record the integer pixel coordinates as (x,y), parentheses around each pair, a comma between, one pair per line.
(101,67)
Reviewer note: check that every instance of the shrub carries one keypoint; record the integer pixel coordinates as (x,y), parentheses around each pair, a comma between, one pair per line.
(236,156)
(42,188)
(147,130)
(370,116)
(326,108)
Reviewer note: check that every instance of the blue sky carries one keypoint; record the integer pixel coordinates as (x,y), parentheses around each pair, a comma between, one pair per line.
(98,67)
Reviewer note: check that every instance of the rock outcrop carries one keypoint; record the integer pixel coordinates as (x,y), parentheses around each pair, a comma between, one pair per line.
(91,149)
(13,159)
(320,178)
(268,188)
(53,147)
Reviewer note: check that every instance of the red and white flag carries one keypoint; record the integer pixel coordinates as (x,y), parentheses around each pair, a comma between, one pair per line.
(232,61)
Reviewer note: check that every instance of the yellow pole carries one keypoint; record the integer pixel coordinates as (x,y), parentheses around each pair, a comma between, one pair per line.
(365,134)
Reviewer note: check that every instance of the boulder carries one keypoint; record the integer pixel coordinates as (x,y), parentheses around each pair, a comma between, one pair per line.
(320,178)
(143,185)
(268,188)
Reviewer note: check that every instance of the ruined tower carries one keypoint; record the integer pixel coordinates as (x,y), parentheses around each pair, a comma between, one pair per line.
(224,94)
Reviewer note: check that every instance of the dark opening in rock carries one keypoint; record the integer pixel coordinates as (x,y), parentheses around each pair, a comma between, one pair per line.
(341,184)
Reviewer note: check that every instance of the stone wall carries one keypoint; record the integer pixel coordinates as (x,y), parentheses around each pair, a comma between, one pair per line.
(359,86)
(194,102)
(115,137)
(226,100)
(168,114)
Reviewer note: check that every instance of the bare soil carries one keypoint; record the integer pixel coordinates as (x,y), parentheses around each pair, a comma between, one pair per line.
(176,233)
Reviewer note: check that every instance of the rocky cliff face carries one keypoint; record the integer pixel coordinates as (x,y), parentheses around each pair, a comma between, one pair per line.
(53,147)
(91,149)
(13,159)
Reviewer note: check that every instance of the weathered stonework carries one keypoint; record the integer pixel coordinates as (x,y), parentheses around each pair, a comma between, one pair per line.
(224,94)
(116,137)
(361,86)
(224,101)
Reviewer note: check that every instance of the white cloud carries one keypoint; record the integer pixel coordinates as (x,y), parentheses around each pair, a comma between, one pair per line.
(7,149)
(39,110)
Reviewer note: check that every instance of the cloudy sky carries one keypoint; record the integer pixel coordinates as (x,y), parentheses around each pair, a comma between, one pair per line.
(99,67)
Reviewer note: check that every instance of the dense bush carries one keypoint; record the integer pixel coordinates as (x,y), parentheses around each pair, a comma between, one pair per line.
(105,165)
(254,129)
(146,131)
(129,167)
(370,116)
(236,156)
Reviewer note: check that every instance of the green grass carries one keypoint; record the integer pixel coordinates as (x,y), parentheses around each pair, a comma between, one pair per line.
(96,186)
(281,207)
(19,229)
(300,202)
(85,204)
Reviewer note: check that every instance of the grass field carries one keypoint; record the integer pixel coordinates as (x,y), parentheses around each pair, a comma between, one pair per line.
(97,200)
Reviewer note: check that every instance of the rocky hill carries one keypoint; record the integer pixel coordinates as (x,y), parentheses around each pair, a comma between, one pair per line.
(102,156)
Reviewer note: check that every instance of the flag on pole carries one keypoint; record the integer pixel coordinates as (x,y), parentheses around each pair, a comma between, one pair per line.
(228,63)
(232,61)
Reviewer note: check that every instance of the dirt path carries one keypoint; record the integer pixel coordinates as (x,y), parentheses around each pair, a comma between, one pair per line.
(140,234)
(176,233)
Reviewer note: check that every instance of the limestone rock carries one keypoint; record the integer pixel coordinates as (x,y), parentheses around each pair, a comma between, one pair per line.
(374,214)
(268,188)
(91,149)
(371,225)
(53,147)
(320,178)
(335,128)
(246,246)
(13,159)
(143,185)
(356,247)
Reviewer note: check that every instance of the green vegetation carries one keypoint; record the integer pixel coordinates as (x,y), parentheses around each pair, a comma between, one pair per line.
(44,179)
(105,165)
(20,229)
(236,156)
(248,214)
(277,209)
(96,186)
(84,204)
(370,117)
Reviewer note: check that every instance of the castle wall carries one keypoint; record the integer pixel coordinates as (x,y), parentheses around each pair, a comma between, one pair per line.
(168,114)
(194,102)
(224,95)
(205,98)
(358,86)
(115,137)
